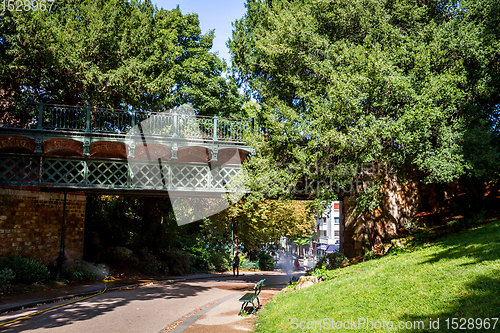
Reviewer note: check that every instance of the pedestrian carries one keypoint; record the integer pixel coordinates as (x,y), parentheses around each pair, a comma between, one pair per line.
(236,264)
(305,263)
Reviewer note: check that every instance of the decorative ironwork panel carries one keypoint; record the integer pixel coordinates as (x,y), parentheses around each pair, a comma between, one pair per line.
(110,121)
(112,174)
(108,174)
(191,177)
(65,118)
(206,127)
(150,175)
(18,170)
(222,176)
(188,127)
(232,130)
(59,171)
(156,124)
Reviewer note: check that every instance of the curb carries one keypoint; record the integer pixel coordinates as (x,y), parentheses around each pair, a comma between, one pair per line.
(88,293)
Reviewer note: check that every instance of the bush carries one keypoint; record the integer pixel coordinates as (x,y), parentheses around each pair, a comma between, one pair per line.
(332,261)
(220,261)
(25,270)
(178,262)
(321,272)
(151,265)
(266,262)
(210,257)
(122,255)
(81,274)
(6,275)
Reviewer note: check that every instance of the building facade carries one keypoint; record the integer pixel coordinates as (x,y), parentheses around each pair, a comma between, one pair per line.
(328,234)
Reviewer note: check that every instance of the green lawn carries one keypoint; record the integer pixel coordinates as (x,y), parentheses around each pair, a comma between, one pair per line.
(454,277)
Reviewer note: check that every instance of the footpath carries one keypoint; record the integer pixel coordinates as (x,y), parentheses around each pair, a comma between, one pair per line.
(220,316)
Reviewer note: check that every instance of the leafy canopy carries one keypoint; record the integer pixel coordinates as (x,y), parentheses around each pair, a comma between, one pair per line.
(112,53)
(413,85)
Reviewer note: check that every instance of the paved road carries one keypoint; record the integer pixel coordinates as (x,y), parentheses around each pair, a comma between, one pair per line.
(146,309)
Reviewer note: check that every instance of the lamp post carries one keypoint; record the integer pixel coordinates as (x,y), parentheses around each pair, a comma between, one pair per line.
(61,260)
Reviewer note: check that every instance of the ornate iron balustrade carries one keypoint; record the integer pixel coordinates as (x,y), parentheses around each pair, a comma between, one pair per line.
(86,119)
(39,171)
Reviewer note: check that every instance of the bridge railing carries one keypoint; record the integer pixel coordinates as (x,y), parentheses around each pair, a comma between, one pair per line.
(39,171)
(86,119)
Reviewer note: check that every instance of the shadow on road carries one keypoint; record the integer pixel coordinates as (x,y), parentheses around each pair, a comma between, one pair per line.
(99,305)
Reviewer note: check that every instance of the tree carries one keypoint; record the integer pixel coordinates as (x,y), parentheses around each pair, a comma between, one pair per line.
(258,222)
(115,53)
(412,85)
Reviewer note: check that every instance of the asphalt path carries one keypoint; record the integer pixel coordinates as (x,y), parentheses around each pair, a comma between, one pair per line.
(149,308)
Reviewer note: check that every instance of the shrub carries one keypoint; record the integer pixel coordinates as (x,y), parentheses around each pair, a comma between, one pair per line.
(178,262)
(150,265)
(6,275)
(81,274)
(210,257)
(220,261)
(332,261)
(25,270)
(122,255)
(266,262)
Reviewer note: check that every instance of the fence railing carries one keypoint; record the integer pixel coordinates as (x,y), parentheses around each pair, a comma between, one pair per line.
(87,119)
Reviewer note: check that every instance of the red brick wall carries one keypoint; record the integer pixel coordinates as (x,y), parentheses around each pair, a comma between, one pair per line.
(30,224)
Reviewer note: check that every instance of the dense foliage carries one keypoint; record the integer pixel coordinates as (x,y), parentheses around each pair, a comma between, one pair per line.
(266,262)
(23,270)
(112,54)
(412,85)
(142,234)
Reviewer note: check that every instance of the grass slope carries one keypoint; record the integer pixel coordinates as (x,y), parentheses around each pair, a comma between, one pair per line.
(454,277)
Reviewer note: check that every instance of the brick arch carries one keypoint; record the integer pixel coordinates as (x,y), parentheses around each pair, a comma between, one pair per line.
(231,156)
(62,147)
(152,152)
(108,149)
(192,154)
(16,144)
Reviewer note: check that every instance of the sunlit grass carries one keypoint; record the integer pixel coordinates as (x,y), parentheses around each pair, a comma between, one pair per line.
(455,277)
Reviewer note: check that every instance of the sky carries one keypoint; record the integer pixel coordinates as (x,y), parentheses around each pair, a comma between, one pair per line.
(213,14)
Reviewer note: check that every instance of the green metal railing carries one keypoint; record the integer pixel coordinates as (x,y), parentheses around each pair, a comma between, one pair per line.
(86,119)
(25,171)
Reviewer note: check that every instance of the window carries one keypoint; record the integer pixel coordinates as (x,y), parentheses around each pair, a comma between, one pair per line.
(336,220)
(337,233)
(324,233)
(324,220)
(336,206)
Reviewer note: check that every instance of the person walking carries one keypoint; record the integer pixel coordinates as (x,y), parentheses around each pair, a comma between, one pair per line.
(236,264)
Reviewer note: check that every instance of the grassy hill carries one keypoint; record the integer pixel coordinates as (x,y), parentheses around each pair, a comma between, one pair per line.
(457,276)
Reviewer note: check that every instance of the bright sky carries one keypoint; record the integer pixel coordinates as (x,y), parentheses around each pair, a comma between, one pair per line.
(213,14)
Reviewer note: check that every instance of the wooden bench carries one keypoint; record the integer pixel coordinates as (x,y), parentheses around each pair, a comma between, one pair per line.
(251,297)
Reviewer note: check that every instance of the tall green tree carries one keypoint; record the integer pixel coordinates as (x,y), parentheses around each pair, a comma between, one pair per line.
(411,84)
(112,53)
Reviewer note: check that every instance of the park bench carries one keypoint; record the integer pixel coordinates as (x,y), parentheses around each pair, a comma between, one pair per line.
(251,297)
